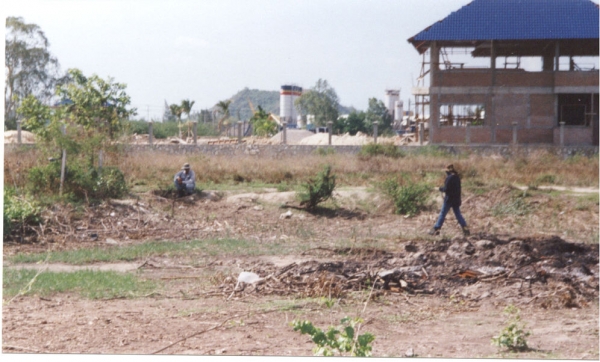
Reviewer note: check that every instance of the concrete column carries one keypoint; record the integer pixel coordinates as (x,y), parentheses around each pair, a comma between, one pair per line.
(514,129)
(150,135)
(239,131)
(330,130)
(195,131)
(375,130)
(421,133)
(468,133)
(19,141)
(562,134)
(284,124)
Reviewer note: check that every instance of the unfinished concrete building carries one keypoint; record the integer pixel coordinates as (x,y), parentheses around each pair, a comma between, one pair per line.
(501,71)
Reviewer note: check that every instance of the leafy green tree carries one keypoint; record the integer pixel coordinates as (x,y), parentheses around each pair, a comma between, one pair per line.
(93,112)
(30,69)
(377,111)
(176,111)
(321,101)
(262,124)
(354,123)
(186,107)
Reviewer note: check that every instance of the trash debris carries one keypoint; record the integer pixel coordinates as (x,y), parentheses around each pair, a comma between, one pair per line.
(286,215)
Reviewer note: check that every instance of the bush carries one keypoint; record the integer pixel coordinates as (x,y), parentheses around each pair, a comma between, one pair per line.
(81,182)
(383,149)
(318,189)
(19,211)
(409,198)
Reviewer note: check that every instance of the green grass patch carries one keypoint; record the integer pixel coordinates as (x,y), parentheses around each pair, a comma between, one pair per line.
(141,251)
(87,283)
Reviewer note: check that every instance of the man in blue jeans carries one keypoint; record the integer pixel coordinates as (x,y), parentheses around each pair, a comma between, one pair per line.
(451,201)
(185,181)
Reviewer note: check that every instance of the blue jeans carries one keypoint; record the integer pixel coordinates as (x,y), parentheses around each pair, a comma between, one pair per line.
(188,188)
(445,208)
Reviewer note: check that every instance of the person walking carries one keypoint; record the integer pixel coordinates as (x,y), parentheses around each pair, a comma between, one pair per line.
(452,200)
(185,181)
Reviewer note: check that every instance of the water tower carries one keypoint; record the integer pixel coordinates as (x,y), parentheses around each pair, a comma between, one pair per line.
(287,109)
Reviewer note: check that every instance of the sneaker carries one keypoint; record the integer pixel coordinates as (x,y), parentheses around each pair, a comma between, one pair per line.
(434,231)
(466,231)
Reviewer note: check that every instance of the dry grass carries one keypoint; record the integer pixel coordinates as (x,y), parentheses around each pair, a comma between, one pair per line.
(155,170)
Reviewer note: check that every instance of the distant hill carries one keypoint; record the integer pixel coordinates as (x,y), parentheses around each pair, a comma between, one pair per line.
(268,100)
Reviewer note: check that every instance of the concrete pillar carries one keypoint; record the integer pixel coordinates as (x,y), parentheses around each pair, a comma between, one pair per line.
(150,135)
(562,134)
(514,131)
(330,130)
(468,133)
(19,132)
(375,130)
(421,133)
(284,124)
(239,131)
(195,131)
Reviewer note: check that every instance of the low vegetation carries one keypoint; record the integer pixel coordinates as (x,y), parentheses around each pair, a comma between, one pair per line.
(513,336)
(318,189)
(409,197)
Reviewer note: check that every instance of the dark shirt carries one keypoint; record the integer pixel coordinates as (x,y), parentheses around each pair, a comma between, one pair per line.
(452,189)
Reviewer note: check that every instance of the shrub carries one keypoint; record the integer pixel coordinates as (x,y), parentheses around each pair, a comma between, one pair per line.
(384,149)
(81,182)
(513,336)
(344,341)
(409,198)
(19,211)
(318,189)
(324,151)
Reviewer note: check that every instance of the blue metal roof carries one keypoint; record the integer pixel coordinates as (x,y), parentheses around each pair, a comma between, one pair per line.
(516,20)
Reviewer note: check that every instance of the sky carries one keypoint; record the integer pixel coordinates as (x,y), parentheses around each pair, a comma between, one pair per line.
(208,50)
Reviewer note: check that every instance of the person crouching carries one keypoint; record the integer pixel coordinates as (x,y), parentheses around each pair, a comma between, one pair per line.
(185,181)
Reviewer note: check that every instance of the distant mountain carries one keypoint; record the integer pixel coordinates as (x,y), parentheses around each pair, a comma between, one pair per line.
(268,100)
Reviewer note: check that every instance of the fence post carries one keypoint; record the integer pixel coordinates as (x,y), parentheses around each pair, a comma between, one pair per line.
(375,129)
(330,130)
(150,135)
(421,133)
(562,134)
(514,129)
(63,163)
(284,132)
(195,131)
(19,132)
(468,132)
(239,131)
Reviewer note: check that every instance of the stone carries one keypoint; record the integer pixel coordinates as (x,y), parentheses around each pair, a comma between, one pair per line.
(409,352)
(286,215)
(111,241)
(485,244)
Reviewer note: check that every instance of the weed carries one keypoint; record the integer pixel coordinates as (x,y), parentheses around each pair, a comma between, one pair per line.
(19,211)
(512,336)
(318,189)
(345,341)
(324,151)
(517,206)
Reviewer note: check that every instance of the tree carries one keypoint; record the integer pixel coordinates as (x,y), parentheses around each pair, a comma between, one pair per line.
(223,108)
(186,107)
(353,124)
(262,124)
(29,66)
(320,101)
(92,112)
(377,111)
(167,114)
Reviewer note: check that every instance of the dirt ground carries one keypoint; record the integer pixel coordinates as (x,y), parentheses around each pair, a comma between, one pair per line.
(420,296)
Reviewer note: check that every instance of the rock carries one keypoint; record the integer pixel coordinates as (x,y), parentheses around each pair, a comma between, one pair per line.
(258,208)
(468,248)
(409,352)
(410,247)
(286,215)
(248,277)
(485,244)
(111,241)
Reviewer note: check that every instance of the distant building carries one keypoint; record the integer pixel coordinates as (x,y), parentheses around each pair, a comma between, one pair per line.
(559,35)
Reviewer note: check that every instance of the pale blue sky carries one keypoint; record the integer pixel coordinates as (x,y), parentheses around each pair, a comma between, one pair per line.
(208,50)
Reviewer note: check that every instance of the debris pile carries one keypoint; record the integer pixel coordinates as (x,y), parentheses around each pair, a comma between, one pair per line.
(546,271)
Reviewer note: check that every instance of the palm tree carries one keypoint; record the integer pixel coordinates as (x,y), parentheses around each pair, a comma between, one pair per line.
(224,110)
(186,107)
(176,110)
